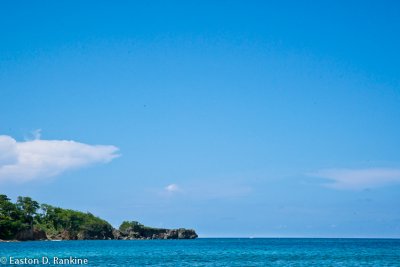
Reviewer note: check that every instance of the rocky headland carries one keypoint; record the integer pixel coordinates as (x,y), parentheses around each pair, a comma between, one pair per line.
(135,230)
(27,220)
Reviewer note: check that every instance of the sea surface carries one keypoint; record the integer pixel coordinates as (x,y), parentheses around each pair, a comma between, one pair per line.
(211,252)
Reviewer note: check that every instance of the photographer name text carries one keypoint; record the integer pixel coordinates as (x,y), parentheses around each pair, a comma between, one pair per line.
(44,261)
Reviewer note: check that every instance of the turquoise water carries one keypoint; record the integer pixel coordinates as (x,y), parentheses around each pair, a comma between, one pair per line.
(215,252)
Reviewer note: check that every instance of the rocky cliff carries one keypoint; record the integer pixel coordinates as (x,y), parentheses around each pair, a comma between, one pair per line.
(135,230)
(143,232)
(129,233)
(31,234)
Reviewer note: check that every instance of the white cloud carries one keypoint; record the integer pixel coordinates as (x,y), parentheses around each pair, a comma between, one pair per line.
(357,179)
(36,159)
(172,188)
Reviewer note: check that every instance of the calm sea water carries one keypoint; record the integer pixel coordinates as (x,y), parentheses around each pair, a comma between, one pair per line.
(215,252)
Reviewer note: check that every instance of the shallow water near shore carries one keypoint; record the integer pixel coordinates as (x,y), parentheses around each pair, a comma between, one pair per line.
(213,252)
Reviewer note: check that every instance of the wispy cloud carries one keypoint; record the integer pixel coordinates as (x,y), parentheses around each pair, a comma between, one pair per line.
(37,134)
(205,190)
(172,188)
(356,179)
(36,159)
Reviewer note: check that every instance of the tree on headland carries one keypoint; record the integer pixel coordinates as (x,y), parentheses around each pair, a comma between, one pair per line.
(28,214)
(10,218)
(29,208)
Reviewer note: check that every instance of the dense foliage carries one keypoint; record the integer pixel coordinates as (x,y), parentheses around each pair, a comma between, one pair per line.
(16,217)
(57,223)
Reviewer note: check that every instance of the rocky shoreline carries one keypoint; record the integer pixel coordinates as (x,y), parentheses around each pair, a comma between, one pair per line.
(150,234)
(27,220)
(155,233)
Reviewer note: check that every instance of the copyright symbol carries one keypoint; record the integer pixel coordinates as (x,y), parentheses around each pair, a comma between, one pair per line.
(3,260)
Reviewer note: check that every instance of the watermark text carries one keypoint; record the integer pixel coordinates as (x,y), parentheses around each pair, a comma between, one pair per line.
(45,260)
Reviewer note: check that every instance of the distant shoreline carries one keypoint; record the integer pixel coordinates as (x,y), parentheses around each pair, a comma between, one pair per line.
(27,220)
(202,238)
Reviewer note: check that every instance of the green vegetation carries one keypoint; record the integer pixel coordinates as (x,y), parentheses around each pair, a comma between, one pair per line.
(135,229)
(12,219)
(57,223)
(28,220)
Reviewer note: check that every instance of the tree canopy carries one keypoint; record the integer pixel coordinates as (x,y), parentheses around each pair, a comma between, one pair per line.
(27,213)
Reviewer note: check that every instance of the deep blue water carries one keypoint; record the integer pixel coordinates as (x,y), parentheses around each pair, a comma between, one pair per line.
(215,252)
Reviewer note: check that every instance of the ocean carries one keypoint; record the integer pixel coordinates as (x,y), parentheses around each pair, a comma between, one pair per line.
(205,252)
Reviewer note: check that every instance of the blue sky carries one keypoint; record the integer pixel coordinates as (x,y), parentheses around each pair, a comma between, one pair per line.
(235,118)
